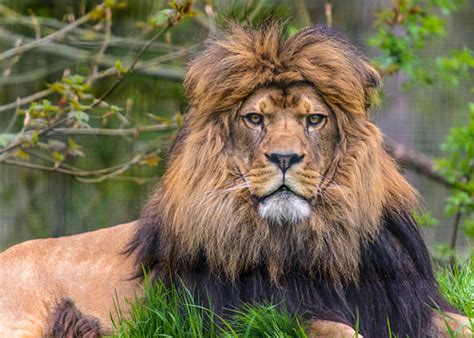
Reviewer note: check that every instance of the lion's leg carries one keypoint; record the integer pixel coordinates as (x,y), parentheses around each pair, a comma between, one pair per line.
(452,322)
(330,329)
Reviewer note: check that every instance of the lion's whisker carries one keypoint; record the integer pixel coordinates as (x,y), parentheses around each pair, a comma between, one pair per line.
(241,186)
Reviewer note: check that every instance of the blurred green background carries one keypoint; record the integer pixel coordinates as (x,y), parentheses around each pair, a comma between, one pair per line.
(38,204)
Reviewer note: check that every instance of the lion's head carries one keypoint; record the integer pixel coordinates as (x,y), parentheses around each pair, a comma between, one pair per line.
(278,163)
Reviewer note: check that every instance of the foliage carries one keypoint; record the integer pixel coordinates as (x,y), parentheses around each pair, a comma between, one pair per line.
(173,312)
(402,33)
(425,219)
(265,321)
(166,312)
(404,30)
(79,112)
(53,132)
(457,285)
(458,167)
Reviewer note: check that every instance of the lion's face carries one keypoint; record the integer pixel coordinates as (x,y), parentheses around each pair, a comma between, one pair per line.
(277,133)
(285,139)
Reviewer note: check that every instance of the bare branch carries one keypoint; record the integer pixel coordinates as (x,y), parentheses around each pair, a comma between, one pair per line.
(114,132)
(141,66)
(47,39)
(52,24)
(52,126)
(29,165)
(84,176)
(454,233)
(124,167)
(106,41)
(77,54)
(416,161)
(328,12)
(302,12)
(132,66)
(34,75)
(42,132)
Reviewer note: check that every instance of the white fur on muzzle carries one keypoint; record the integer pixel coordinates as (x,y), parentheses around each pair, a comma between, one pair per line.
(284,208)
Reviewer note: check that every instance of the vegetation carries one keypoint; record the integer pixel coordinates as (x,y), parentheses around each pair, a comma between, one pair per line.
(85,114)
(457,285)
(168,312)
(402,33)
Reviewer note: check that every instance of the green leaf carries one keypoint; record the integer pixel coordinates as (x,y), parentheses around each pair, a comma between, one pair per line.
(58,156)
(20,153)
(34,137)
(161,17)
(79,116)
(58,87)
(425,219)
(6,139)
(73,148)
(468,227)
(119,67)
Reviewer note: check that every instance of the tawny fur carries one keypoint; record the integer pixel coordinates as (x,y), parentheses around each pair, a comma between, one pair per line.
(36,277)
(195,201)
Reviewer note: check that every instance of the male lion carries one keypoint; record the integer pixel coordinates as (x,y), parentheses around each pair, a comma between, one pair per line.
(278,188)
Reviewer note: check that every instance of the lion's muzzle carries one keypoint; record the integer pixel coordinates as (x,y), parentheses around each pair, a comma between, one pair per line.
(283,207)
(281,196)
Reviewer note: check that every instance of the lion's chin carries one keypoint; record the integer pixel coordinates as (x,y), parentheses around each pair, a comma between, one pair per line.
(284,208)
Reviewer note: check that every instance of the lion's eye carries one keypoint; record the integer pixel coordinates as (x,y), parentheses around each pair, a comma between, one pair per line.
(315,119)
(254,118)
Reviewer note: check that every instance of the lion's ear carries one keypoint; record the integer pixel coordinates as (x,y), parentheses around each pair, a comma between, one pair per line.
(372,85)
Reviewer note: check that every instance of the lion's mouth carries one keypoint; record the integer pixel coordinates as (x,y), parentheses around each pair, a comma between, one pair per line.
(282,192)
(284,207)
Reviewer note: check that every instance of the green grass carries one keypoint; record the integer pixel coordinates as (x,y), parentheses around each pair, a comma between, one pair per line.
(168,312)
(457,285)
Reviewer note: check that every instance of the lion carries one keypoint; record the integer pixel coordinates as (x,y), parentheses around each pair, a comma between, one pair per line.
(277,189)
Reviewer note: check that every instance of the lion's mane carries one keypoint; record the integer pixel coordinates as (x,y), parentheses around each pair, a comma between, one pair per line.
(360,255)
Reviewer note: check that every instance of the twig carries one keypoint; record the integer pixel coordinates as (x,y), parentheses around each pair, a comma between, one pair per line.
(328,12)
(211,17)
(97,102)
(79,175)
(42,132)
(36,25)
(60,170)
(82,55)
(46,39)
(106,41)
(417,161)
(11,16)
(33,75)
(68,169)
(454,234)
(124,167)
(110,72)
(114,132)
(11,123)
(130,68)
(302,12)
(248,3)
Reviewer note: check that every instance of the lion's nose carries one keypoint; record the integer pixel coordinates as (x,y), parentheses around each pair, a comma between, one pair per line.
(284,161)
